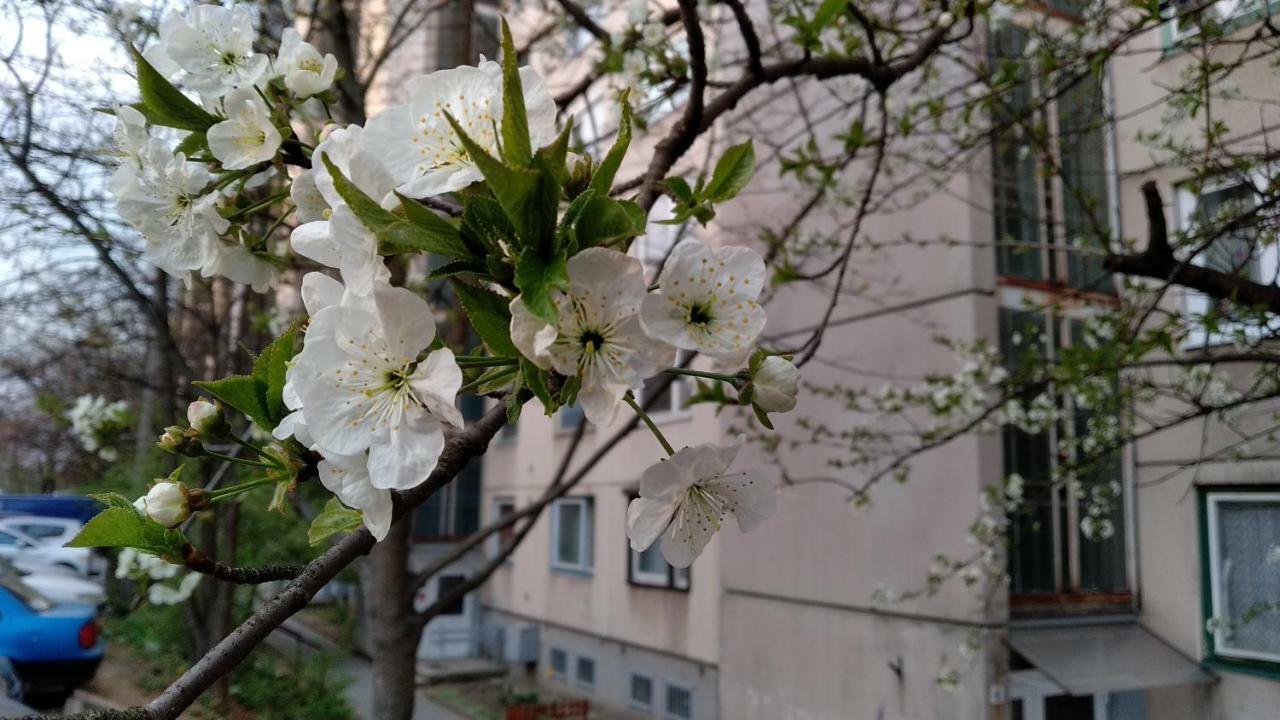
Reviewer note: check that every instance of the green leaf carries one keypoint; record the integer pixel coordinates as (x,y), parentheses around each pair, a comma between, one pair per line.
(333,519)
(733,172)
(514,404)
(602,180)
(826,14)
(192,144)
(269,369)
(112,499)
(679,189)
(536,277)
(485,224)
(442,232)
(496,379)
(551,159)
(395,234)
(605,221)
(529,198)
(122,527)
(517,149)
(489,317)
(535,379)
(244,393)
(455,268)
(164,104)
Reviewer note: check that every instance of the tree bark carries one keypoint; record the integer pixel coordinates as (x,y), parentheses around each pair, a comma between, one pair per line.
(394,650)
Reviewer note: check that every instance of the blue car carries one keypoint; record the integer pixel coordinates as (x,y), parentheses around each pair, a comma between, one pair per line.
(54,649)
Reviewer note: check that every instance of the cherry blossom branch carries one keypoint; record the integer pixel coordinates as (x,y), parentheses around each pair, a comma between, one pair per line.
(201,563)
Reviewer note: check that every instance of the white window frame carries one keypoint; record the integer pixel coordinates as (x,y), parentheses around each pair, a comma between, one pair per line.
(1228,11)
(577,674)
(672,578)
(1197,303)
(585,565)
(653,691)
(1217,601)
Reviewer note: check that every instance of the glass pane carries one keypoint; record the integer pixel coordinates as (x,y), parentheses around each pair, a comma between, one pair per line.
(427,521)
(586,671)
(680,578)
(444,586)
(651,561)
(641,690)
(1031,561)
(568,531)
(1015,199)
(1082,119)
(679,702)
(1248,585)
(1017,710)
(1068,707)
(559,661)
(466,506)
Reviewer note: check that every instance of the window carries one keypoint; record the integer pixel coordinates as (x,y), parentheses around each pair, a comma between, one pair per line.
(559,661)
(1187,18)
(650,569)
(503,507)
(671,402)
(1051,555)
(444,586)
(585,672)
(571,534)
(1226,212)
(569,417)
(41,532)
(641,691)
(679,704)
(1242,549)
(7,539)
(1041,217)
(454,511)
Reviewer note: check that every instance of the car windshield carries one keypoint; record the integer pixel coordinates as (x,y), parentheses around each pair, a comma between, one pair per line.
(24,592)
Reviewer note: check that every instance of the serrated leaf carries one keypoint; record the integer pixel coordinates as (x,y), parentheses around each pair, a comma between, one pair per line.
(679,189)
(605,221)
(123,527)
(517,148)
(489,316)
(164,104)
(395,234)
(269,370)
(514,405)
(455,268)
(529,198)
(733,172)
(496,379)
(442,232)
(333,519)
(485,227)
(244,393)
(602,180)
(551,159)
(536,277)
(113,499)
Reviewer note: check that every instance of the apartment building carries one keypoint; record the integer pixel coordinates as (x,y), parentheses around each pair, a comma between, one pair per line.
(782,623)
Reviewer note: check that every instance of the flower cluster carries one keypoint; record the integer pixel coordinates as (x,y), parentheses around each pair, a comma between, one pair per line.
(97,424)
(165,583)
(536,251)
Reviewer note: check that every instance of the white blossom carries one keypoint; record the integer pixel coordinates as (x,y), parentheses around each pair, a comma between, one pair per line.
(342,242)
(163,594)
(347,477)
(167,503)
(363,386)
(306,197)
(775,384)
(598,337)
(236,263)
(417,144)
(347,149)
(205,417)
(706,299)
(685,498)
(180,224)
(305,71)
(247,137)
(213,45)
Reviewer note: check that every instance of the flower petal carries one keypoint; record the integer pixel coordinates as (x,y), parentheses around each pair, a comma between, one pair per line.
(409,453)
(750,496)
(687,536)
(436,383)
(646,519)
(407,323)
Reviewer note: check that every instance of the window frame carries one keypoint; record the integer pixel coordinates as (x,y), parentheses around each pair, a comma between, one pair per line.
(672,578)
(1174,39)
(1196,303)
(496,542)
(558,674)
(586,530)
(670,685)
(578,660)
(1244,661)
(653,691)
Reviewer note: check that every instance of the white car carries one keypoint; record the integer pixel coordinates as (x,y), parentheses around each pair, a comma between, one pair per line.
(55,582)
(14,545)
(44,530)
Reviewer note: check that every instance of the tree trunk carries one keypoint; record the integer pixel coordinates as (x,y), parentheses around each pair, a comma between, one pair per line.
(394,651)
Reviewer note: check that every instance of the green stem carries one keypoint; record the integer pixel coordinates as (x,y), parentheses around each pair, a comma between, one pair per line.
(700,373)
(240,461)
(255,449)
(631,400)
(265,203)
(482,361)
(224,493)
(274,226)
(476,383)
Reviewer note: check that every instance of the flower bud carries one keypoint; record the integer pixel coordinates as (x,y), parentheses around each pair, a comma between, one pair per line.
(775,384)
(166,503)
(206,419)
(578,168)
(176,440)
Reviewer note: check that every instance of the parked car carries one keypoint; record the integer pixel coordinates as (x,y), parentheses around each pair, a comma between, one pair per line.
(76,507)
(55,531)
(54,582)
(54,648)
(14,544)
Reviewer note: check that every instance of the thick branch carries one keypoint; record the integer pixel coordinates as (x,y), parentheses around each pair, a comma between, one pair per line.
(199,562)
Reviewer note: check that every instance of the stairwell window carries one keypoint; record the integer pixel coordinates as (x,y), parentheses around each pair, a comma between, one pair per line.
(1241,551)
(572,528)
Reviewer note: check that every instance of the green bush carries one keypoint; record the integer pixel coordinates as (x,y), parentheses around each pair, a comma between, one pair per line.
(278,689)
